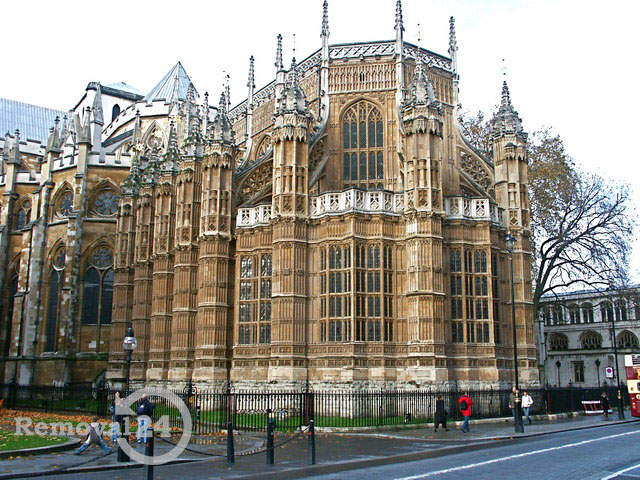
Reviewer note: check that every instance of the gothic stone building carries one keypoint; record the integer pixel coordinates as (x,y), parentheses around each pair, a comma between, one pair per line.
(60,190)
(334,228)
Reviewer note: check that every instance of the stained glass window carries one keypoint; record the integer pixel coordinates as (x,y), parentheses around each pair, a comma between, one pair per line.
(106,203)
(65,204)
(363,142)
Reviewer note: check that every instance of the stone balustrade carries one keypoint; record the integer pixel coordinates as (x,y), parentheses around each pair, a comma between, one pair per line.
(480,209)
(253,216)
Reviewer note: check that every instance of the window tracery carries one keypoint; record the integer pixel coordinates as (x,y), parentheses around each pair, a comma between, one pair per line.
(475,169)
(22,215)
(254,322)
(626,339)
(591,341)
(558,342)
(64,205)
(105,203)
(362,146)
(56,283)
(98,287)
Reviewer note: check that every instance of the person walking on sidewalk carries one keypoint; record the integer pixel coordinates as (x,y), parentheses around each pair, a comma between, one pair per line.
(94,435)
(527,401)
(145,410)
(465,403)
(440,417)
(604,400)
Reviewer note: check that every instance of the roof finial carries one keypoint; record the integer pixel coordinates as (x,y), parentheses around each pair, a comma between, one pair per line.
(294,46)
(279,65)
(419,39)
(399,24)
(251,82)
(227,91)
(325,20)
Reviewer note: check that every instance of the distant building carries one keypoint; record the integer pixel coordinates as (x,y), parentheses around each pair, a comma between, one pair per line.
(574,335)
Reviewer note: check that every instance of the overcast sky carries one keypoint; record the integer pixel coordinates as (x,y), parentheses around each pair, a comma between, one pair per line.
(570,64)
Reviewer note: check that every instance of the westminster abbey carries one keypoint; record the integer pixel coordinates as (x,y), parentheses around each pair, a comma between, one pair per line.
(335,228)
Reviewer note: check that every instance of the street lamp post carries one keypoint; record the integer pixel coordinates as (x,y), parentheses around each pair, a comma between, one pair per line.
(615,354)
(598,370)
(509,241)
(558,367)
(129,344)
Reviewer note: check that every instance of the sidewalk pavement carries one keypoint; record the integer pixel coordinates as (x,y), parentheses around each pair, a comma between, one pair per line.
(334,450)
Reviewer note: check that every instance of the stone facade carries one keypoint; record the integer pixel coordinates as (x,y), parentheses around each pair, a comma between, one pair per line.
(335,228)
(574,335)
(57,229)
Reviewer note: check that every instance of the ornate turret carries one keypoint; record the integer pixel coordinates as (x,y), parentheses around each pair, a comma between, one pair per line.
(507,120)
(399,27)
(453,53)
(131,184)
(510,158)
(171,156)
(293,99)
(53,143)
(421,92)
(220,129)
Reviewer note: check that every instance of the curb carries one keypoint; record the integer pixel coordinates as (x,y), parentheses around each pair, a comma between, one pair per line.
(27,452)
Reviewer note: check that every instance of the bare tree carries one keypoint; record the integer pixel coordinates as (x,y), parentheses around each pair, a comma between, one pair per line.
(581,223)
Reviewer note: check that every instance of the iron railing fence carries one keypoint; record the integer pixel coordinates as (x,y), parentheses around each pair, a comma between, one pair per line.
(212,411)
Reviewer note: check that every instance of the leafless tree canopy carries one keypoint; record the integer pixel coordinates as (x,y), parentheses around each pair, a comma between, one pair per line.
(582,226)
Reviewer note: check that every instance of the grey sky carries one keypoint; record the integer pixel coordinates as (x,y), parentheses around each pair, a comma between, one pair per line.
(570,64)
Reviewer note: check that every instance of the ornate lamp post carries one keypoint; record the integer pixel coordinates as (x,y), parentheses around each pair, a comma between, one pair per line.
(129,344)
(558,367)
(598,370)
(510,241)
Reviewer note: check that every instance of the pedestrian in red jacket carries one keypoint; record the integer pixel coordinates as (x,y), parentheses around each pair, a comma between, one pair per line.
(465,403)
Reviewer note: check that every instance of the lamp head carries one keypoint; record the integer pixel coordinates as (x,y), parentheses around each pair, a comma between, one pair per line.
(509,241)
(558,364)
(130,343)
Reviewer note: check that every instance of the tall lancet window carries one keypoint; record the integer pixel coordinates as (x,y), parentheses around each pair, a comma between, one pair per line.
(254,322)
(56,282)
(97,286)
(362,146)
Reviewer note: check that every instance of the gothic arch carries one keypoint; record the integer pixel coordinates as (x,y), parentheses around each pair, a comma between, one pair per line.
(57,197)
(148,140)
(627,339)
(558,342)
(362,129)
(591,340)
(99,195)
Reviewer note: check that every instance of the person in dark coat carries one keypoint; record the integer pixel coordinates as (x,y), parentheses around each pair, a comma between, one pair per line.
(604,400)
(441,414)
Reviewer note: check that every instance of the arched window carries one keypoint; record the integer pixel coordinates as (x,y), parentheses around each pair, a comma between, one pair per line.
(115,111)
(64,204)
(591,341)
(362,145)
(97,288)
(558,342)
(626,339)
(621,311)
(22,215)
(606,311)
(574,313)
(558,315)
(105,203)
(546,315)
(12,289)
(56,282)
(587,313)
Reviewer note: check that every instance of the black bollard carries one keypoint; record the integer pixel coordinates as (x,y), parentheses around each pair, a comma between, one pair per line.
(311,444)
(148,452)
(230,450)
(123,433)
(270,427)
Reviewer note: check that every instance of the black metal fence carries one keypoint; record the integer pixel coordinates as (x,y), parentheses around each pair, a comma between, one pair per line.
(211,411)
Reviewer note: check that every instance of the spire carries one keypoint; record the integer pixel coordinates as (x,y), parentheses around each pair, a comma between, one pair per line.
(205,112)
(251,83)
(54,136)
(98,116)
(220,129)
(227,93)
(399,24)
(453,45)
(421,91)
(293,98)
(16,147)
(279,65)
(507,119)
(172,153)
(324,33)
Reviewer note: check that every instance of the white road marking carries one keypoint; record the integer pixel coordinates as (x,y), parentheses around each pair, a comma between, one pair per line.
(620,472)
(510,457)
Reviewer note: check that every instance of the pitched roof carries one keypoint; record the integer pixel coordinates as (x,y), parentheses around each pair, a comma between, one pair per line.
(164,90)
(32,121)
(124,87)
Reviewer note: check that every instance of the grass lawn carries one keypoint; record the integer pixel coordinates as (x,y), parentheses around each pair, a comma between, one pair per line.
(10,441)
